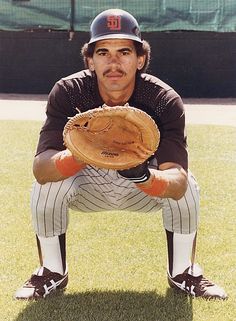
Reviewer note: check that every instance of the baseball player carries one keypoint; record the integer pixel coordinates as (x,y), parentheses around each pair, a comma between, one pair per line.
(116,60)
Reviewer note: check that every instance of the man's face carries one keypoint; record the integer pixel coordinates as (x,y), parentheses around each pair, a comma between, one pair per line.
(115,62)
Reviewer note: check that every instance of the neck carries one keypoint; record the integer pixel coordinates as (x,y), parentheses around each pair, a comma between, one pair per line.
(115,101)
(115,98)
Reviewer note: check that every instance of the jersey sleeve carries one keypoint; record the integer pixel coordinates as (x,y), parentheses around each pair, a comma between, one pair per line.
(173,142)
(58,110)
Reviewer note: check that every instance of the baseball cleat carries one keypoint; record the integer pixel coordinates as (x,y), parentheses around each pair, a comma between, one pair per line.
(195,284)
(41,284)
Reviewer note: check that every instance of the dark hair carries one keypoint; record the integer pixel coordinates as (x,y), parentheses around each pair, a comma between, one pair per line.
(142,49)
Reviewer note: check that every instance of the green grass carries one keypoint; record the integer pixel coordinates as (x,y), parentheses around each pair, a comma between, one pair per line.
(117,261)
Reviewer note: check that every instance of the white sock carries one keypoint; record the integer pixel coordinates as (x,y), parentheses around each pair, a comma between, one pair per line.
(182,252)
(51,253)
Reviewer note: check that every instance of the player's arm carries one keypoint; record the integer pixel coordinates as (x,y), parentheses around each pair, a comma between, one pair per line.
(52,166)
(169,181)
(52,163)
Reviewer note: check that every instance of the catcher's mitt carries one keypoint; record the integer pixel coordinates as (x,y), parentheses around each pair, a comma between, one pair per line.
(118,137)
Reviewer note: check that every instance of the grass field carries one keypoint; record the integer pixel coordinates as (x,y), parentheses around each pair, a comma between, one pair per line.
(117,261)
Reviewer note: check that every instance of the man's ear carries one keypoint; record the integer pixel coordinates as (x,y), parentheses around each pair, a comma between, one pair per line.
(141,62)
(90,64)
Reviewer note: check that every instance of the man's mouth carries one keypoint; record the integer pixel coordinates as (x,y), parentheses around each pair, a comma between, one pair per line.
(114,74)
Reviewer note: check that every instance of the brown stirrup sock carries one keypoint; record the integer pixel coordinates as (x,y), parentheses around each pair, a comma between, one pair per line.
(52,252)
(180,249)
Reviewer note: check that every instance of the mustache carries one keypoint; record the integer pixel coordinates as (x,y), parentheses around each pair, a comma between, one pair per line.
(109,70)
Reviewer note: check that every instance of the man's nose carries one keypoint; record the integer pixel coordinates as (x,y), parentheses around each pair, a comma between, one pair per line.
(114,59)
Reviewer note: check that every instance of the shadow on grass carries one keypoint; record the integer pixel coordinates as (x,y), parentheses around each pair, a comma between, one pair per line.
(110,306)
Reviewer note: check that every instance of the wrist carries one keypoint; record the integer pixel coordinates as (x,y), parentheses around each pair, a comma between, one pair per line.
(156,185)
(66,164)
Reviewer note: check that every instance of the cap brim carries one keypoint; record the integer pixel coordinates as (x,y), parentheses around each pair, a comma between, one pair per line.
(115,36)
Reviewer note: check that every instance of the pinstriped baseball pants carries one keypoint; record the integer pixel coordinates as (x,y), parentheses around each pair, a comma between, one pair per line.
(95,190)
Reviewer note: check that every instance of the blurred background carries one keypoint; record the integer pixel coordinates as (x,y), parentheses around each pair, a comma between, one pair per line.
(193,42)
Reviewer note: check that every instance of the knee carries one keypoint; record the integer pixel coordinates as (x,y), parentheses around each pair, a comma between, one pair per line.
(50,196)
(193,189)
(182,216)
(49,208)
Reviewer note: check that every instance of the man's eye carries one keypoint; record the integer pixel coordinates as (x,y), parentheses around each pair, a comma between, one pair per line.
(102,53)
(125,53)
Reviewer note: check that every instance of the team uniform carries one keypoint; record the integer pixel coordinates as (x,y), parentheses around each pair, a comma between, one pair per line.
(93,189)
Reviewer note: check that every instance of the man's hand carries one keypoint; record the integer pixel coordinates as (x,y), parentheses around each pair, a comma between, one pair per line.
(117,137)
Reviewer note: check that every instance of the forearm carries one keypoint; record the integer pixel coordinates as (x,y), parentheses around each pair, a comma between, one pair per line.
(53,166)
(167,183)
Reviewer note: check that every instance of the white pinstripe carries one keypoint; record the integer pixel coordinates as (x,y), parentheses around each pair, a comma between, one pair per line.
(97,190)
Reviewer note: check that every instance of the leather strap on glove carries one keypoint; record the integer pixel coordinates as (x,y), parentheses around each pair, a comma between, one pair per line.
(138,174)
(146,180)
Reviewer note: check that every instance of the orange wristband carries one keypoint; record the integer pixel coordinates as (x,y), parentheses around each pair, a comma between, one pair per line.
(67,165)
(157,186)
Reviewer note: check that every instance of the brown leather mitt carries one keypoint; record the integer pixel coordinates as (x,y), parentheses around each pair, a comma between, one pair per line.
(119,137)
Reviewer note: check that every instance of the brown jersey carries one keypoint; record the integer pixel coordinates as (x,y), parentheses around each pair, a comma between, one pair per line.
(79,92)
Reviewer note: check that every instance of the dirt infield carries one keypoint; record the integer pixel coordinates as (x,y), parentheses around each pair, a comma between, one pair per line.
(198,111)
